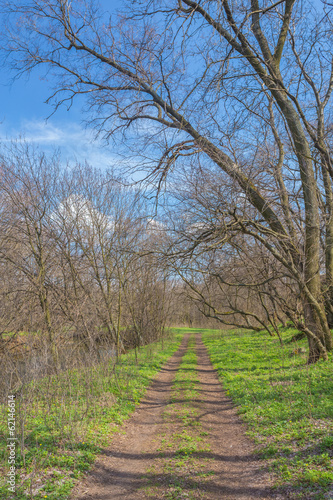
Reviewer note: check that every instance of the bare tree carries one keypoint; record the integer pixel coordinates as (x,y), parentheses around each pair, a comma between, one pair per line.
(229,274)
(77,269)
(28,185)
(216,80)
(97,229)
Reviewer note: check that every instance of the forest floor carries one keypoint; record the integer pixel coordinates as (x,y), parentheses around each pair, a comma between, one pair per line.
(184,441)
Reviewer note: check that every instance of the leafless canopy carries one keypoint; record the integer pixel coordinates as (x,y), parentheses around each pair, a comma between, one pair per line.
(245,85)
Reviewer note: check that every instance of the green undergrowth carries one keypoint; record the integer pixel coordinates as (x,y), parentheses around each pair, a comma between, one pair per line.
(63,422)
(286,403)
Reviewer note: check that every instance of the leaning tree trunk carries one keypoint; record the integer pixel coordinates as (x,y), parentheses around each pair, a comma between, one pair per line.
(318,333)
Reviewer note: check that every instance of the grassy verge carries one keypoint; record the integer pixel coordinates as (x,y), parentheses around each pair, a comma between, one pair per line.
(178,472)
(62,422)
(287,405)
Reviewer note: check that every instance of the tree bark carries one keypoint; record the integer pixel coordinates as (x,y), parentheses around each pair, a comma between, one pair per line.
(317,344)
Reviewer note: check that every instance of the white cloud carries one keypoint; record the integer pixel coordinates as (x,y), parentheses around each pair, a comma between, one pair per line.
(75,142)
(77,209)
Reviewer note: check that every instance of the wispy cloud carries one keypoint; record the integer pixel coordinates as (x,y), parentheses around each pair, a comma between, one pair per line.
(76,143)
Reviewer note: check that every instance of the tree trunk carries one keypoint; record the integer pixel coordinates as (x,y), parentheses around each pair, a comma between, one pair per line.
(321,341)
(328,285)
(53,348)
(329,307)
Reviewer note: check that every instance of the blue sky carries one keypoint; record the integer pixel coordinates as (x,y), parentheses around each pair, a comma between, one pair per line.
(23,112)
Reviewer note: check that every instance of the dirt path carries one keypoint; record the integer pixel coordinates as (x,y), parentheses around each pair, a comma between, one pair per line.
(146,460)
(237,471)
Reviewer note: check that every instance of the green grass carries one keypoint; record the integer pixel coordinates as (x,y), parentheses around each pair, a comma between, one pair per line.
(62,422)
(287,404)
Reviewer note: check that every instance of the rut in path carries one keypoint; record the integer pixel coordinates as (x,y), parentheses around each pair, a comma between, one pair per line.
(134,467)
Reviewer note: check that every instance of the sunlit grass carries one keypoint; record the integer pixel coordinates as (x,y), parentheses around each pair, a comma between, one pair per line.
(286,403)
(62,422)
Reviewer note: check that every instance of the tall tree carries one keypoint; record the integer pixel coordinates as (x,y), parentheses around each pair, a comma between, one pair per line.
(217,79)
(28,187)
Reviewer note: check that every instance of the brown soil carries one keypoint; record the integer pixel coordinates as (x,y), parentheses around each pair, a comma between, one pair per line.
(134,468)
